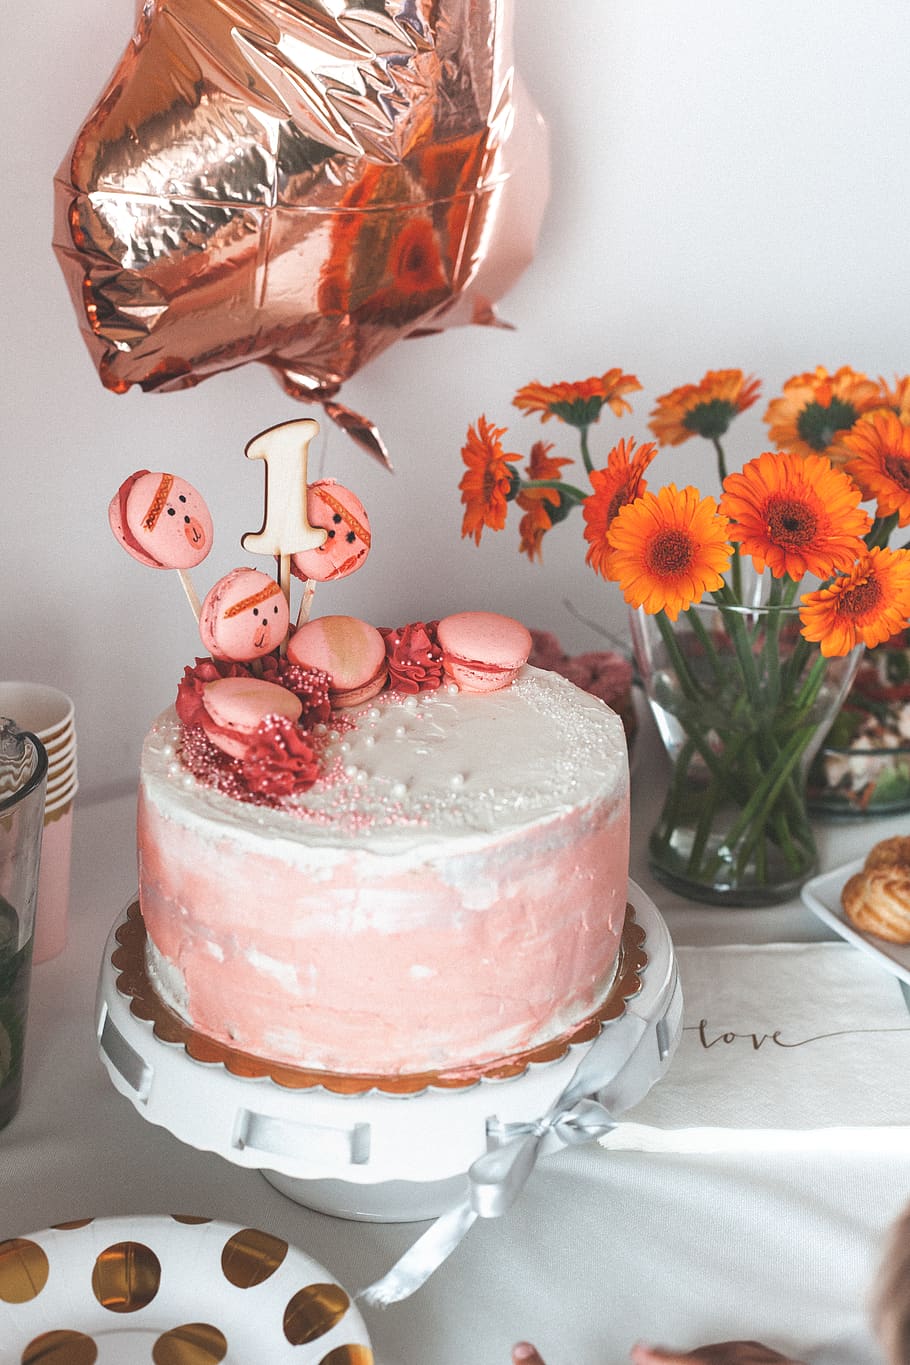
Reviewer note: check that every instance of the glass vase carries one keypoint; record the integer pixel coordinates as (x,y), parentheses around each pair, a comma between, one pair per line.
(742,703)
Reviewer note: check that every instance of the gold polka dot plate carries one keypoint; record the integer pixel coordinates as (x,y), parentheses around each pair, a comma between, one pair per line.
(175,1290)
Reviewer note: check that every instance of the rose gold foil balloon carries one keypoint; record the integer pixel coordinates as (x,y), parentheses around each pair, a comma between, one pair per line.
(299,182)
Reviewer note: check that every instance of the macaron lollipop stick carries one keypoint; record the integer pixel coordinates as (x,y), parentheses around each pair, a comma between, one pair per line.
(286,529)
(306,602)
(192,595)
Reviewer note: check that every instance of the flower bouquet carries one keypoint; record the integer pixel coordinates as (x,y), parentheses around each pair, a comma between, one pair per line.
(750,611)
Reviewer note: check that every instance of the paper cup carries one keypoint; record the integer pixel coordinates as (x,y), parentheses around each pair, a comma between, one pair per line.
(63,763)
(62,799)
(44,710)
(65,771)
(62,791)
(21,827)
(60,738)
(66,776)
(54,882)
(61,748)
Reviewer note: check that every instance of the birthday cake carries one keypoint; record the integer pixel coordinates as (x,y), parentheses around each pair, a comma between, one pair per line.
(375,852)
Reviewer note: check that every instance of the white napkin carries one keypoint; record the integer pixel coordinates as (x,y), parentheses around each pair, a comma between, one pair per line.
(784,1046)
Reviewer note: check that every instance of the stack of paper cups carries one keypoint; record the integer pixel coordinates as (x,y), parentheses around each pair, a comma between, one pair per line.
(49,714)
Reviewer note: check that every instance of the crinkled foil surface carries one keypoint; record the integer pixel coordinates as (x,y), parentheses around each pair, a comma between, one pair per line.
(299,183)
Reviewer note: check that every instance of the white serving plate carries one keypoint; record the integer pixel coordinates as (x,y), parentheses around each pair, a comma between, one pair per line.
(133,1291)
(822,895)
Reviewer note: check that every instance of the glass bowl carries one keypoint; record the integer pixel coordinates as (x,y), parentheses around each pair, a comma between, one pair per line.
(863,766)
(859,781)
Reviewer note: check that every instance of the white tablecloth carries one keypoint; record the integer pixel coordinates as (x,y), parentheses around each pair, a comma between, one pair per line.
(603,1248)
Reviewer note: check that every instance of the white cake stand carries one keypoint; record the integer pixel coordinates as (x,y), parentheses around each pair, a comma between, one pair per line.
(375,1155)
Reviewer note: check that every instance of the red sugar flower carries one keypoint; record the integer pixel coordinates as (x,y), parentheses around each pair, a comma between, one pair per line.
(280,759)
(414,656)
(310,686)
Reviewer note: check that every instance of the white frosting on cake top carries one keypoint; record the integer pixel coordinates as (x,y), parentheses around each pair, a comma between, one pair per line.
(443,764)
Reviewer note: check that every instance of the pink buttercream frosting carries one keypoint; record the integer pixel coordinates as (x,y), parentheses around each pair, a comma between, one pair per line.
(450,891)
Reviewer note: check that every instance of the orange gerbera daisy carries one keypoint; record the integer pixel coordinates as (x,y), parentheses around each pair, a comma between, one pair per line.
(542,506)
(669,549)
(879,460)
(622,481)
(578,404)
(489,481)
(532,528)
(898,398)
(816,409)
(795,515)
(703,409)
(865,606)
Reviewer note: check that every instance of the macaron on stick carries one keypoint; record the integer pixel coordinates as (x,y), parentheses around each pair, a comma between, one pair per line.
(347,543)
(244,617)
(164,523)
(286,530)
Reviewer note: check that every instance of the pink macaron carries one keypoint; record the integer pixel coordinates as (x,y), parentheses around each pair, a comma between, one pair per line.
(483,651)
(244,616)
(161,520)
(351,651)
(341,514)
(236,707)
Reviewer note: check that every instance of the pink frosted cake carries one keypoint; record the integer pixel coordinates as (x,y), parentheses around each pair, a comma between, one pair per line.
(449,890)
(364,852)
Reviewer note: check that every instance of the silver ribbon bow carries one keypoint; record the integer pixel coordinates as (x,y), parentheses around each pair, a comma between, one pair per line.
(581,1113)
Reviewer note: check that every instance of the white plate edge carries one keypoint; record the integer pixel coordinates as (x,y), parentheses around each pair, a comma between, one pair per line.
(812,896)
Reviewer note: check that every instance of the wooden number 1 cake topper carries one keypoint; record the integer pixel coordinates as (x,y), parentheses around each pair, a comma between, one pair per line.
(286,530)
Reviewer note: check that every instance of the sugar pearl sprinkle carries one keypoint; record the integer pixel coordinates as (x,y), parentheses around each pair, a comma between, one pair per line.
(389,766)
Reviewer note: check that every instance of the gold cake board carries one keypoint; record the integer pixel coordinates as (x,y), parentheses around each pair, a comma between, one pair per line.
(129,959)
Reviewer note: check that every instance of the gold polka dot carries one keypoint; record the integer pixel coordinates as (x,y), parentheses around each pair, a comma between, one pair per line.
(126,1277)
(23,1270)
(348,1355)
(250,1257)
(76,1223)
(189,1218)
(60,1348)
(313,1311)
(195,1343)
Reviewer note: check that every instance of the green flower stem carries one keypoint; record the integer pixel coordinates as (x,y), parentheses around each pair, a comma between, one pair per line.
(755,770)
(738,632)
(771,649)
(755,814)
(690,688)
(674,804)
(676,657)
(771,788)
(735,563)
(795,665)
(749,825)
(721,460)
(721,787)
(585,452)
(881,531)
(810,689)
(714,660)
(568,490)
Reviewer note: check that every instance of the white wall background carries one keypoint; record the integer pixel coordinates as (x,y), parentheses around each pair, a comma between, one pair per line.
(730,188)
